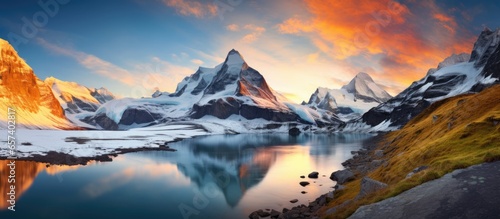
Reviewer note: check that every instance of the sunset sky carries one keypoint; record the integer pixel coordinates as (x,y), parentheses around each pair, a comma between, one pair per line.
(132,47)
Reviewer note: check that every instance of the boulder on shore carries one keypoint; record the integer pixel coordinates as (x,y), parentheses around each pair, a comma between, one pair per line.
(342,176)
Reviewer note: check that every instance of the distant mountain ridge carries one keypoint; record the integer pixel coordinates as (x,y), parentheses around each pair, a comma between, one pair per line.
(350,101)
(76,98)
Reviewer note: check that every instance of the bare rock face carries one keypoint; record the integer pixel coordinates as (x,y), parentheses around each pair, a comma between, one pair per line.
(31,97)
(368,186)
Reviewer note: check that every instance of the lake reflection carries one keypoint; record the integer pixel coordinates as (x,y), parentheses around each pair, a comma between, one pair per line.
(223,176)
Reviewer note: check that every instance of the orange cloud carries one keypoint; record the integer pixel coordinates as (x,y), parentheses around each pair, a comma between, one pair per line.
(400,43)
(232,27)
(192,7)
(255,33)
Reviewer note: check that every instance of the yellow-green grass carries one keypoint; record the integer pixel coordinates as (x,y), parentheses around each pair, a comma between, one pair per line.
(451,134)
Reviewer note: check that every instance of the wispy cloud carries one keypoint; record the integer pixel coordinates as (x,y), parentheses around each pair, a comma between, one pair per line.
(232,27)
(199,9)
(197,62)
(92,63)
(255,33)
(145,77)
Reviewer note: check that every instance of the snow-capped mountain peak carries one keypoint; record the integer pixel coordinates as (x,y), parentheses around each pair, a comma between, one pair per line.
(363,87)
(352,100)
(485,45)
(234,58)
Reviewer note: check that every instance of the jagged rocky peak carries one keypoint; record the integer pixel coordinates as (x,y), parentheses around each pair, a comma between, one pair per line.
(234,58)
(485,45)
(102,94)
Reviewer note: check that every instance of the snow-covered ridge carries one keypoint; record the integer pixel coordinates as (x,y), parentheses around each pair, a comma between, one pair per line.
(230,88)
(455,75)
(352,100)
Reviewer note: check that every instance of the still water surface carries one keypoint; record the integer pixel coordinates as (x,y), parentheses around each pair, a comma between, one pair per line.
(224,176)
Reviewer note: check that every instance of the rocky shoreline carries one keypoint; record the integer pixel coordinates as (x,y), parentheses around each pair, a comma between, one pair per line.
(58,158)
(363,161)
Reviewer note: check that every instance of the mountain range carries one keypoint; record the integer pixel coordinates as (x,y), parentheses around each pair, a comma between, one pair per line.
(352,100)
(234,91)
(456,75)
(231,90)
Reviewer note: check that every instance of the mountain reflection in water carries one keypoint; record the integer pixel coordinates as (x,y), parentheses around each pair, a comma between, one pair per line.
(236,173)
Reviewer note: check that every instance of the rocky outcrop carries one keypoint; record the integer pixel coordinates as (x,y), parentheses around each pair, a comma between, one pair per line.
(342,176)
(369,186)
(225,107)
(464,193)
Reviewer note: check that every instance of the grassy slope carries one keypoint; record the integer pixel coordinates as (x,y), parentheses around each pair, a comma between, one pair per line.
(466,132)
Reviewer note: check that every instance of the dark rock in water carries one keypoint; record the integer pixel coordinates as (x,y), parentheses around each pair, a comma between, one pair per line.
(259,213)
(342,176)
(262,213)
(294,131)
(275,214)
(303,192)
(313,175)
(302,177)
(292,201)
(254,215)
(368,186)
(304,183)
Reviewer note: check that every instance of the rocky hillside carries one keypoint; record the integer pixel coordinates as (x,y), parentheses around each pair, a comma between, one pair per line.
(33,100)
(450,134)
(455,75)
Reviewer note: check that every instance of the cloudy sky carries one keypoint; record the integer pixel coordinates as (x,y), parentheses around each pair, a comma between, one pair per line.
(132,47)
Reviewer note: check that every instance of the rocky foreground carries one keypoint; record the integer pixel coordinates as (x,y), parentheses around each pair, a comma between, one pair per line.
(466,193)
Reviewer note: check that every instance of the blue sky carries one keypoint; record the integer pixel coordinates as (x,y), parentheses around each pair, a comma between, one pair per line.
(132,47)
